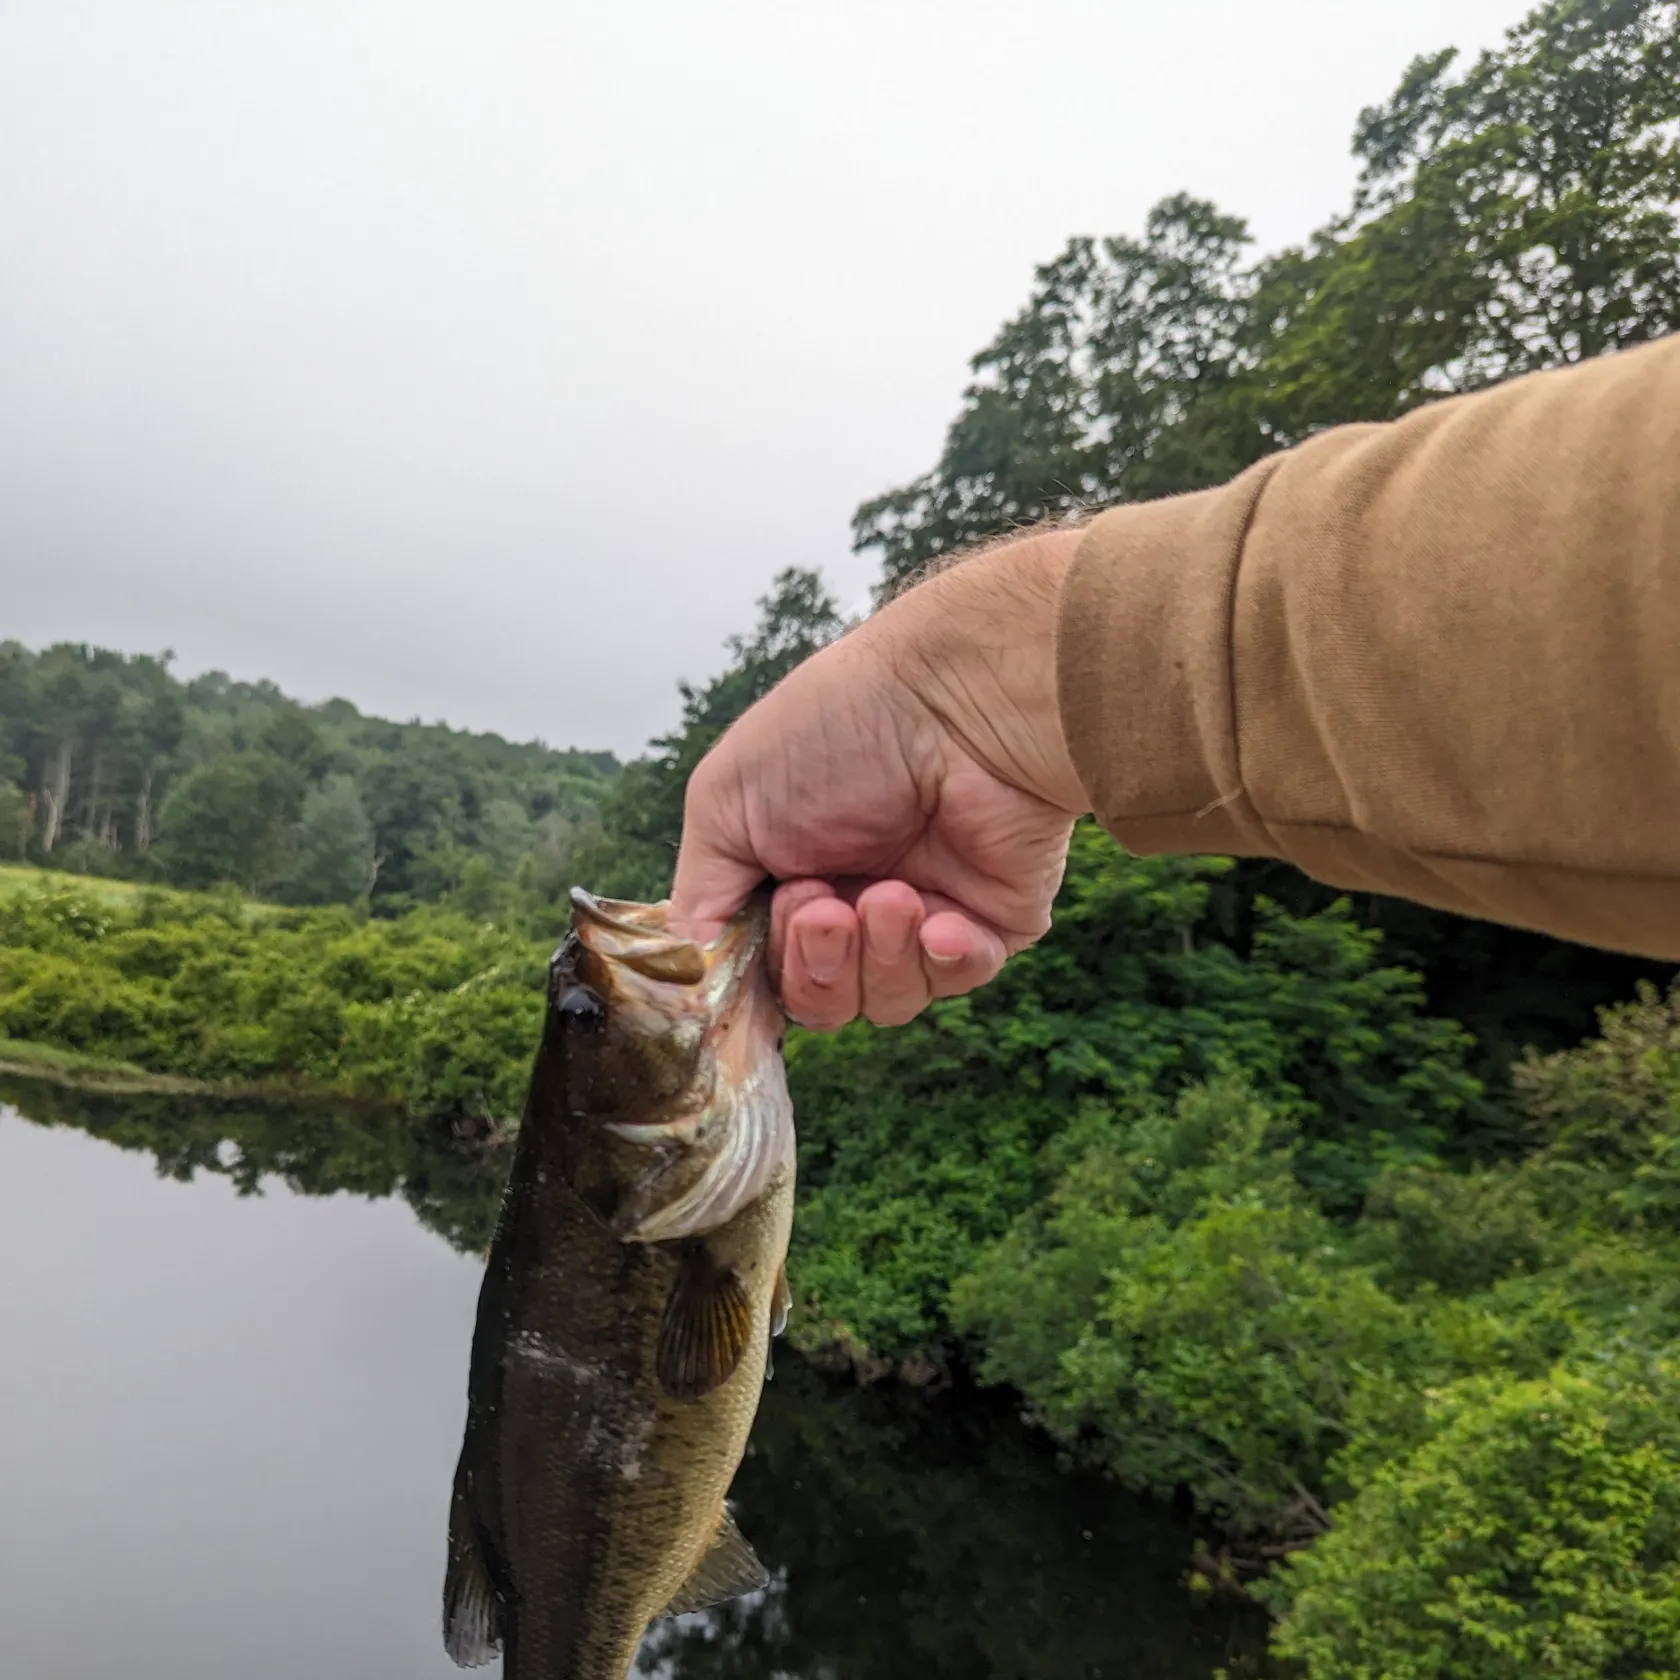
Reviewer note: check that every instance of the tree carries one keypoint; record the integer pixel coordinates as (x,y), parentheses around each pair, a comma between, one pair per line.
(333,860)
(16,819)
(231,820)
(1520,215)
(505,833)
(98,741)
(1106,387)
(295,738)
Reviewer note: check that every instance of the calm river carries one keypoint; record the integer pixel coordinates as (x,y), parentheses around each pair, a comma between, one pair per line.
(231,1392)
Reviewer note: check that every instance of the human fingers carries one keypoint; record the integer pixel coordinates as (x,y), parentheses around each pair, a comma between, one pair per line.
(894,987)
(820,971)
(788,897)
(717,868)
(959,951)
(839,960)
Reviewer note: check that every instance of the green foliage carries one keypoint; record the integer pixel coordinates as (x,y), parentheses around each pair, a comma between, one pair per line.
(1181,1312)
(431,1013)
(16,819)
(332,861)
(1107,386)
(921,1145)
(1460,1397)
(230,820)
(1536,1531)
(1609,1112)
(125,770)
(1454,1232)
(1520,215)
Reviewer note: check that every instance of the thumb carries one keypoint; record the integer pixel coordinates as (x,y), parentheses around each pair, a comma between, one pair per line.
(713,879)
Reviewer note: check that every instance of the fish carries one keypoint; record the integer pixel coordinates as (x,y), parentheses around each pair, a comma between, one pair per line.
(630,1295)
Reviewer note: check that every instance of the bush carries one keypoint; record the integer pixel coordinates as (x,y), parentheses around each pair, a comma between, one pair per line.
(1535,1532)
(1458,1232)
(434,1013)
(920,1146)
(1186,1318)
(1608,1113)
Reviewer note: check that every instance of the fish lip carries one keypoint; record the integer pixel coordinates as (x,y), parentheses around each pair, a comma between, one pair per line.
(597,910)
(752,919)
(732,952)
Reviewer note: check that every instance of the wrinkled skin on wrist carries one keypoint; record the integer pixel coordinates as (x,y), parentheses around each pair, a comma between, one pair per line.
(910,790)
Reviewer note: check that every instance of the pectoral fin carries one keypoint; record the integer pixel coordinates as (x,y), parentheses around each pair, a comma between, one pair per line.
(706,1328)
(781,1301)
(728,1569)
(781,1304)
(472,1611)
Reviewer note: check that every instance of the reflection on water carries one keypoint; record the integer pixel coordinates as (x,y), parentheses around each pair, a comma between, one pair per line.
(911,1539)
(228,1425)
(454,1189)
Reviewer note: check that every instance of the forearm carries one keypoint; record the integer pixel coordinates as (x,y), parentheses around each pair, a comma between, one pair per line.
(1439,659)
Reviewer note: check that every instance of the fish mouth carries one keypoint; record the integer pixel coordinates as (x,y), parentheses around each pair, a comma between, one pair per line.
(638,938)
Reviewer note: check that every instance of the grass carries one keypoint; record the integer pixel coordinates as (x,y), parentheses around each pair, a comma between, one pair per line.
(18,878)
(90,1073)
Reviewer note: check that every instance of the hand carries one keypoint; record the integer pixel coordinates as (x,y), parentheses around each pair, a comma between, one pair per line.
(909,788)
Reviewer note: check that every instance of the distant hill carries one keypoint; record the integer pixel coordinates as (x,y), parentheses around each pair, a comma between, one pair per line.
(111,765)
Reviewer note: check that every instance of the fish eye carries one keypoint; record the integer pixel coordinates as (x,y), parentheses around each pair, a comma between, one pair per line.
(580,1008)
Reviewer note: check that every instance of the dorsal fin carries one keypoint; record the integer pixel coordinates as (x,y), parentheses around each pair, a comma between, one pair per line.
(472,1609)
(729,1568)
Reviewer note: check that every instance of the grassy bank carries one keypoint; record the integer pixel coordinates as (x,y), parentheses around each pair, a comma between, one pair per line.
(83,1072)
(18,878)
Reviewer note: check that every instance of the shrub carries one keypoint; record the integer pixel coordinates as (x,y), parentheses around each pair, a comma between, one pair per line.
(1535,1532)
(1185,1318)
(1608,1112)
(920,1146)
(434,1013)
(1458,1232)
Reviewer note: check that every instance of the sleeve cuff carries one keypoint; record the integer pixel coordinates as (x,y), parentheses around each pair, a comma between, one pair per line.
(1144,671)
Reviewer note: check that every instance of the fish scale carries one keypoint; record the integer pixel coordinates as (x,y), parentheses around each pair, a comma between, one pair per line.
(590,1495)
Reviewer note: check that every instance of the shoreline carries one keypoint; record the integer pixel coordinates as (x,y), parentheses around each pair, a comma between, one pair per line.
(29,1059)
(100,1076)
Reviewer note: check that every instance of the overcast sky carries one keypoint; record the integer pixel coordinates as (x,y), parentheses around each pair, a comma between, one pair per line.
(484,362)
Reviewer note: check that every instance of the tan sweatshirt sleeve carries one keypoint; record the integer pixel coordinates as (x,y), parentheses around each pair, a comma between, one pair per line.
(1438,658)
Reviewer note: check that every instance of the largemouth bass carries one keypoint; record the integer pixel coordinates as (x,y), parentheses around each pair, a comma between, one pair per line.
(630,1296)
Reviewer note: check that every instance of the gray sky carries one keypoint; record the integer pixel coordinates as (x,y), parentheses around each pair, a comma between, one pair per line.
(485,361)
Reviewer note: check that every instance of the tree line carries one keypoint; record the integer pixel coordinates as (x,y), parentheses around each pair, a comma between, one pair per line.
(111,765)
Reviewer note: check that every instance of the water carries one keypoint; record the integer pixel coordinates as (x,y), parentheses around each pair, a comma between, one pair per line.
(231,1394)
